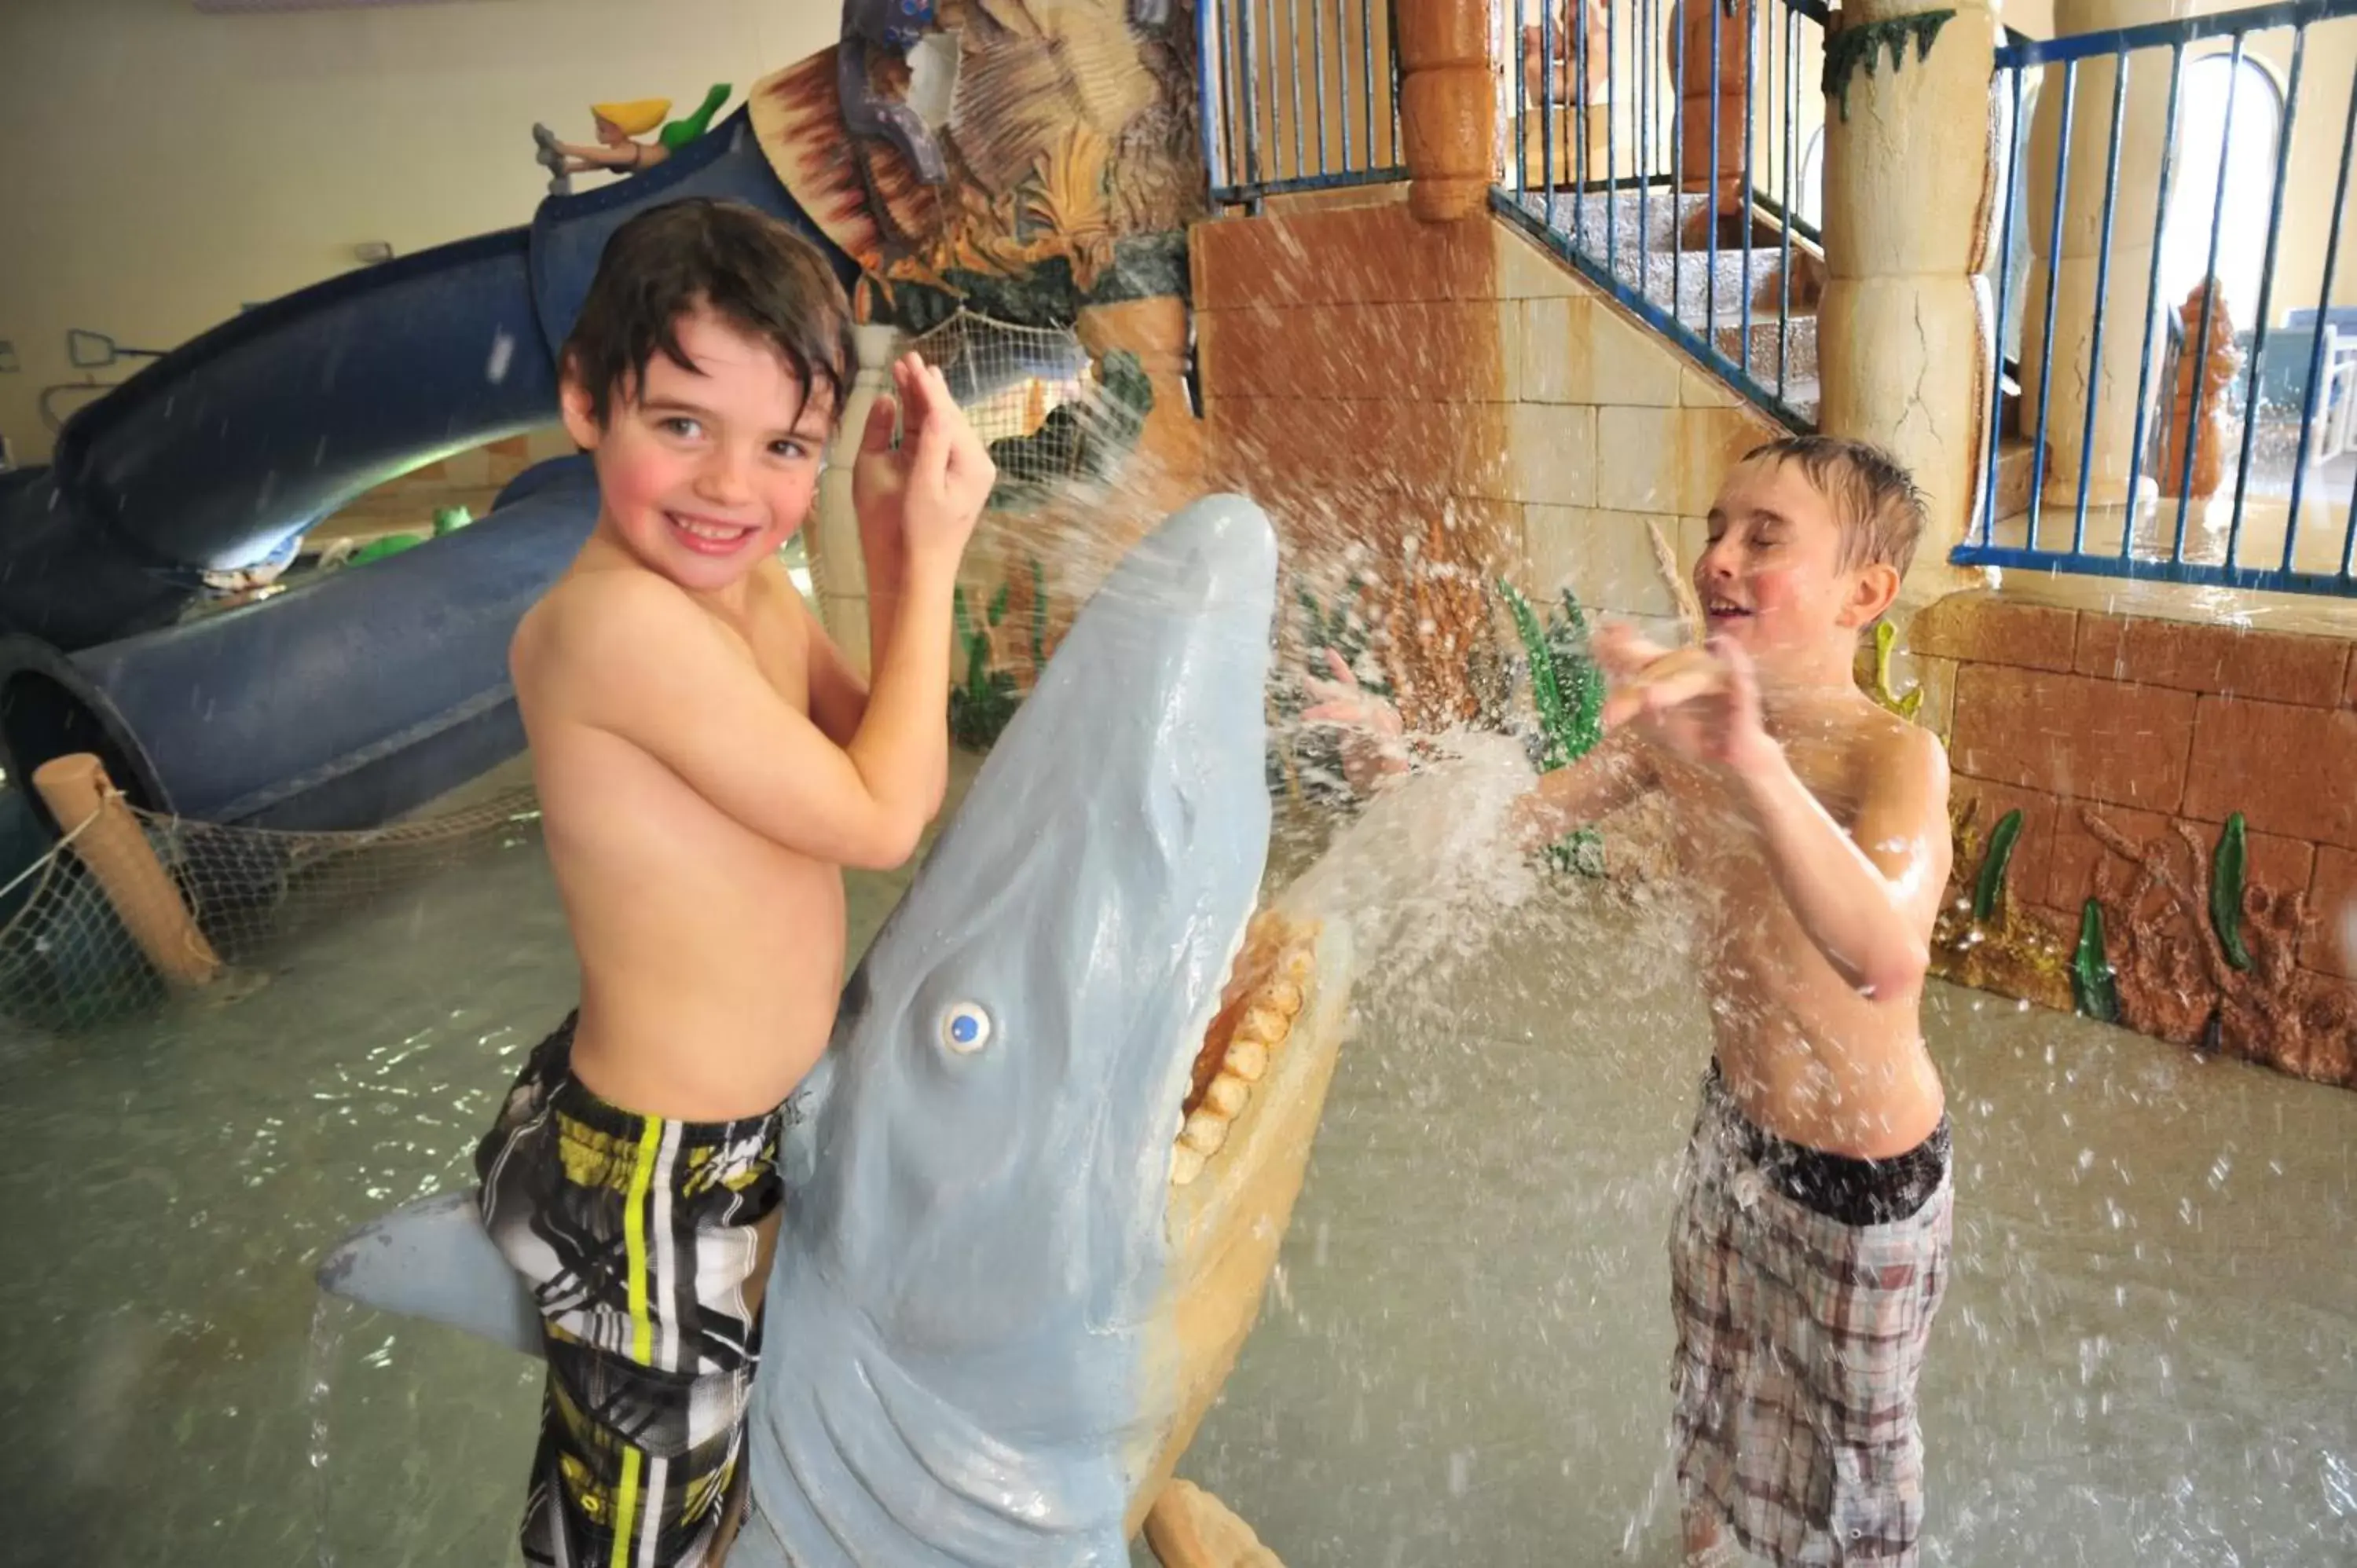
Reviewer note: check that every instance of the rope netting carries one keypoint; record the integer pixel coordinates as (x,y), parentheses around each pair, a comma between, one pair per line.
(70,960)
(1051,414)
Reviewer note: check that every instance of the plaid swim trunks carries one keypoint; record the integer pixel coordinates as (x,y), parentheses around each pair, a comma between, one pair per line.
(1804,1285)
(647,1243)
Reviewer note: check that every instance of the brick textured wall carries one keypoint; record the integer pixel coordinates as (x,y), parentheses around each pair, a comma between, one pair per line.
(2161,730)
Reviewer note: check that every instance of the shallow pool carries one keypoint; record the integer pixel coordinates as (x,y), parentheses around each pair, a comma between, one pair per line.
(2148,1355)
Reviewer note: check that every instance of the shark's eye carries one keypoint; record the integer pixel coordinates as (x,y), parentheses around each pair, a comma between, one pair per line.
(966,1028)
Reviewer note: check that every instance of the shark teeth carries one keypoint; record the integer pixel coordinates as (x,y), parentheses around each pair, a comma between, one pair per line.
(1264,994)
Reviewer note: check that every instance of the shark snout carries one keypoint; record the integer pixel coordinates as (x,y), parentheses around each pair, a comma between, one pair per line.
(1217,558)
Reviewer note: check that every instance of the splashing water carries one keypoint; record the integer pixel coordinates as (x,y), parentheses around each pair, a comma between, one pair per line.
(1427,872)
(329,1319)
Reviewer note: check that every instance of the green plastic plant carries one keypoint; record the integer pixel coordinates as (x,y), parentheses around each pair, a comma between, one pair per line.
(1039,618)
(981,706)
(2090,969)
(2227,870)
(1990,885)
(1886,636)
(1568,690)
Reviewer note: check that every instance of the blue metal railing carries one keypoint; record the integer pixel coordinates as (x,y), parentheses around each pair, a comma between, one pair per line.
(1295,95)
(1700,239)
(1301,95)
(2259,523)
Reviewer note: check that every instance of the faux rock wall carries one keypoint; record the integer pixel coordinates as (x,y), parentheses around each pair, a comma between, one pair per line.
(2126,746)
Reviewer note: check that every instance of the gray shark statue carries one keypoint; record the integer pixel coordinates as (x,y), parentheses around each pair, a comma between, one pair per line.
(996,1314)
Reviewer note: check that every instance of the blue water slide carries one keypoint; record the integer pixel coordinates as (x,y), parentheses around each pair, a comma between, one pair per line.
(367,691)
(219,454)
(342,703)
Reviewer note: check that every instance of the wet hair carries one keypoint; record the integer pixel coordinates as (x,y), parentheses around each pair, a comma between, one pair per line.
(725,257)
(1873,499)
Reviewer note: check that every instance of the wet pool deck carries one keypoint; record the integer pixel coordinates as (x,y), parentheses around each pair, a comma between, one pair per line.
(2148,1355)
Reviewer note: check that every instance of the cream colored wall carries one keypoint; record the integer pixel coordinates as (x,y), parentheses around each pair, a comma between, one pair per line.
(1607,428)
(167,165)
(2033,17)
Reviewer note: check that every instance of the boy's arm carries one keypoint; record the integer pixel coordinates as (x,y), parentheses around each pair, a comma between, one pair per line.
(636,658)
(838,697)
(1615,771)
(1867,899)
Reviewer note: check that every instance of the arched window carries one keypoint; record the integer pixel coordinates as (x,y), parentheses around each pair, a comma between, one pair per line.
(2011,241)
(2229,116)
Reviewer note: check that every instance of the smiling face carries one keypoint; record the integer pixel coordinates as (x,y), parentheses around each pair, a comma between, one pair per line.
(703,472)
(1774,577)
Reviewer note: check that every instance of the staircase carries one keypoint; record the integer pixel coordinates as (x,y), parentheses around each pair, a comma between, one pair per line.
(1733,300)
(1658,250)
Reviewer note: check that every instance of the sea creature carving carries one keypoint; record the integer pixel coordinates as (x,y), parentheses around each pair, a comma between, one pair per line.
(2177,980)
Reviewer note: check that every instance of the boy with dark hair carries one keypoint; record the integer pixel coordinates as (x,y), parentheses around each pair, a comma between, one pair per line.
(707,762)
(1809,1251)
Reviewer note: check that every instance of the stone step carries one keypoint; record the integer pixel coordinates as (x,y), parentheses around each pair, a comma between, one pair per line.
(1628,217)
(2015,475)
(1695,287)
(1650,216)
(1788,347)
(1687,279)
(1705,293)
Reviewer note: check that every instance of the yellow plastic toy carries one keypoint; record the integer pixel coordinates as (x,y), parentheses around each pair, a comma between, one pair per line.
(617,148)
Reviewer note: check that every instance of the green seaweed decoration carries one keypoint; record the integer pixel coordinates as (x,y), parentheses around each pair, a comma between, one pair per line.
(1990,885)
(1039,618)
(981,708)
(2226,875)
(2091,970)
(1848,48)
(1886,637)
(1568,690)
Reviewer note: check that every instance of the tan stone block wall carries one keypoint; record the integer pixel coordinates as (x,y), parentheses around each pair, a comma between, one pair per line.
(1365,375)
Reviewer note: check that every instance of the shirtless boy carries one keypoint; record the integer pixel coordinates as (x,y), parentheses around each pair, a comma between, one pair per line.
(1810,1249)
(707,763)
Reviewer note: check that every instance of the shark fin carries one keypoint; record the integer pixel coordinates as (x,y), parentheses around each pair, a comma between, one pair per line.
(432,1259)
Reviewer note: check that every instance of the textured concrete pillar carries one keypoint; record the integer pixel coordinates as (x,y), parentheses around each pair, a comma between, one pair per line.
(1445,105)
(838,572)
(1697,21)
(2129,319)
(1903,329)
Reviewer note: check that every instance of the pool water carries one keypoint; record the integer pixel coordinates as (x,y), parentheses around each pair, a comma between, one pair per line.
(2148,1354)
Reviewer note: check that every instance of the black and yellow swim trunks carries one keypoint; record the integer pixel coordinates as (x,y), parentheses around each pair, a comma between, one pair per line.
(646,1243)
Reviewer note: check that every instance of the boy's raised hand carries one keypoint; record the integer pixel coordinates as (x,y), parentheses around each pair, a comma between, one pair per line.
(1371,726)
(1702,704)
(929,490)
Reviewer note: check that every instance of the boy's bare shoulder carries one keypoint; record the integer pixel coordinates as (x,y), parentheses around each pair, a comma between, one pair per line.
(1889,755)
(781,602)
(591,628)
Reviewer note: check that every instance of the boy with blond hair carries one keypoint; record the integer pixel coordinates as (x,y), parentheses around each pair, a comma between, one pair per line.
(707,763)
(1810,1249)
